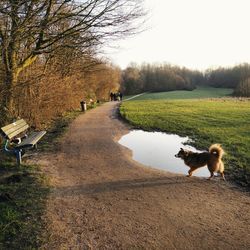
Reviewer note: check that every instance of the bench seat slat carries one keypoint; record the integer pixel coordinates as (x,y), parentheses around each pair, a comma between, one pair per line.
(31,140)
(16,123)
(17,132)
(14,129)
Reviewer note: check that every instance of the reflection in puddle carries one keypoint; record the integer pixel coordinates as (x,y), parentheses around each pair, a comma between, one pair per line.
(157,149)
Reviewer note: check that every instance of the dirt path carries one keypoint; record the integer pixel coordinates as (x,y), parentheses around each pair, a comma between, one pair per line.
(102,199)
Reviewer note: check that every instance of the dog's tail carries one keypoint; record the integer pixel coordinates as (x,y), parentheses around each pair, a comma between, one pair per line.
(216,150)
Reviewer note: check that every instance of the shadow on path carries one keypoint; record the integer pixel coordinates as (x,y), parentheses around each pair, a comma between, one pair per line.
(123,185)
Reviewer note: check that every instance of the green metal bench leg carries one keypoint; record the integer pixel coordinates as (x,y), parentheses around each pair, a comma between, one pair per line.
(19,157)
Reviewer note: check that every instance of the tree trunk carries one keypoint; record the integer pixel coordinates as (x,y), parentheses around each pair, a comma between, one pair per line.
(11,80)
(12,72)
(7,106)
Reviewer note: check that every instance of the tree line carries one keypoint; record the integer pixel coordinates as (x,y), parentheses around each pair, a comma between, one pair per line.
(158,77)
(166,77)
(237,77)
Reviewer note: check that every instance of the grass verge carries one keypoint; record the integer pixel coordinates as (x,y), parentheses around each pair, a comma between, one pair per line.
(205,121)
(56,129)
(23,191)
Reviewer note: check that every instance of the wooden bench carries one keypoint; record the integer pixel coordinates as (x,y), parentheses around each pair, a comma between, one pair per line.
(17,139)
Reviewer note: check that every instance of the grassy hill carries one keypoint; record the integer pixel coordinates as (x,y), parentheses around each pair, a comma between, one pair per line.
(199,92)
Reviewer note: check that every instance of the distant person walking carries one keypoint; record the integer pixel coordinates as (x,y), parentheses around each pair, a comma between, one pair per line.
(121,95)
(116,96)
(112,96)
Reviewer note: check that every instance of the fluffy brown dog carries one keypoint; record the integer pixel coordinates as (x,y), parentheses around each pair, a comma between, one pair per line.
(196,160)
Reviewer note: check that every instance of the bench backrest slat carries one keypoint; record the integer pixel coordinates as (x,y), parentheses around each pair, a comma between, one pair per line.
(14,128)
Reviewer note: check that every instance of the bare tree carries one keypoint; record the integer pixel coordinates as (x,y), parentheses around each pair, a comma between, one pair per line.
(32,28)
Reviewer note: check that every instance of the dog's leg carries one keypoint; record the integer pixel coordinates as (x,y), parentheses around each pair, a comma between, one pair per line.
(211,176)
(222,170)
(223,176)
(190,172)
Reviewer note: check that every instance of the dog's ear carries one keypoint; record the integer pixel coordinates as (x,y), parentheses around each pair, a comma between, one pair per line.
(182,149)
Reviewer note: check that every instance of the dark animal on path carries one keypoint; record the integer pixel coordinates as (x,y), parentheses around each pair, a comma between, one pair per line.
(212,158)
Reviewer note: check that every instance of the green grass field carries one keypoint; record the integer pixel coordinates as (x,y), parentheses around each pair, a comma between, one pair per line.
(199,92)
(206,121)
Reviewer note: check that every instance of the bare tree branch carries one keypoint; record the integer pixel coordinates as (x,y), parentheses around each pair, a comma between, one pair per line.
(30,28)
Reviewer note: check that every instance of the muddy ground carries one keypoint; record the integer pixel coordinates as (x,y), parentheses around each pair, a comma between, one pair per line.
(102,199)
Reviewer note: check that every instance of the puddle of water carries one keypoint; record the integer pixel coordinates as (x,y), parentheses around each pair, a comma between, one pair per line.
(157,150)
